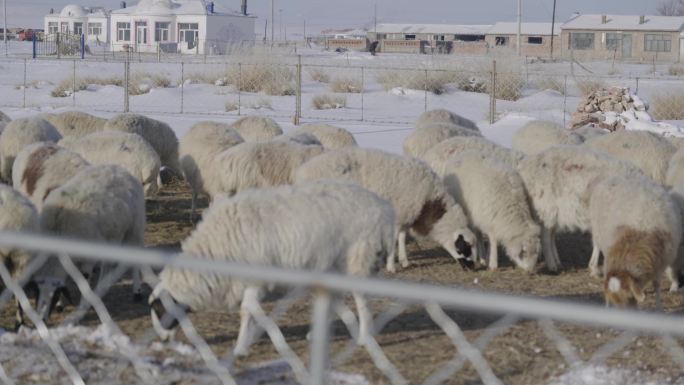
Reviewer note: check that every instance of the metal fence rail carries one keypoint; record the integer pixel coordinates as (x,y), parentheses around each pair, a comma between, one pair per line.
(329,289)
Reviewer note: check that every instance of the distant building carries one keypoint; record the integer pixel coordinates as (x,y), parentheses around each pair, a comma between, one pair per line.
(431,38)
(93,22)
(587,37)
(535,38)
(185,26)
(347,39)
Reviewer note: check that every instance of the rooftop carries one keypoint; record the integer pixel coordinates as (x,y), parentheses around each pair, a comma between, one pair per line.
(626,22)
(511,28)
(455,29)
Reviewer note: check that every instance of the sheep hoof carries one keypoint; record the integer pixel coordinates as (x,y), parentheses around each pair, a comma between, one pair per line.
(391,269)
(405,264)
(595,273)
(137,297)
(674,287)
(240,351)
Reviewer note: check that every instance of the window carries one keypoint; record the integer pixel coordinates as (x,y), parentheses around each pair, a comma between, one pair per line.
(657,43)
(161,31)
(188,33)
(501,40)
(94,29)
(535,40)
(123,31)
(409,37)
(469,37)
(613,41)
(78,28)
(581,41)
(53,27)
(64,27)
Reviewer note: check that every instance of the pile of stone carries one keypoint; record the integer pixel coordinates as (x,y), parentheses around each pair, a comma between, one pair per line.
(603,107)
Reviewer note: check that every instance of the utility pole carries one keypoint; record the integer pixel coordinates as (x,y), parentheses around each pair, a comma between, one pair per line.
(553,25)
(517,48)
(304,30)
(4,26)
(375,20)
(272,20)
(280,15)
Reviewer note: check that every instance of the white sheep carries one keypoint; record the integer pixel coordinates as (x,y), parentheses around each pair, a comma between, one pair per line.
(158,134)
(198,151)
(323,226)
(331,137)
(257,164)
(442,116)
(102,203)
(418,196)
(677,141)
(423,139)
(42,167)
(648,151)
(75,123)
(675,170)
(589,132)
(19,134)
(437,156)
(558,182)
(539,135)
(638,228)
(4,120)
(129,151)
(300,137)
(493,197)
(257,128)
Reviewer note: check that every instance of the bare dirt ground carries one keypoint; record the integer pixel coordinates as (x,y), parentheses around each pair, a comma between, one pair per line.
(521,355)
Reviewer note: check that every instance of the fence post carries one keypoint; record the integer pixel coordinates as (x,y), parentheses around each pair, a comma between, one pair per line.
(59,51)
(426,91)
(239,88)
(126,80)
(320,337)
(82,46)
(35,43)
(24,103)
(636,92)
(363,90)
(298,112)
(182,106)
(492,95)
(73,95)
(158,52)
(565,98)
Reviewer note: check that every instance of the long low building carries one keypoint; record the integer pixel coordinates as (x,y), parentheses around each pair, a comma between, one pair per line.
(535,38)
(430,38)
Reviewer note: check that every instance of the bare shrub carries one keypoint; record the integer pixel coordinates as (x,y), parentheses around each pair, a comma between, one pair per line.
(547,83)
(434,81)
(319,75)
(141,84)
(668,105)
(328,102)
(509,85)
(262,74)
(346,85)
(65,88)
(588,86)
(676,70)
(232,105)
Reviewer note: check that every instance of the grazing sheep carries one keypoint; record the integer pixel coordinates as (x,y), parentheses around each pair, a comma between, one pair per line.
(648,151)
(257,128)
(677,141)
(331,137)
(589,132)
(42,167)
(129,151)
(437,156)
(19,134)
(441,116)
(638,228)
(539,135)
(423,139)
(493,197)
(102,203)
(304,138)
(158,134)
(323,226)
(418,196)
(198,151)
(75,123)
(558,182)
(4,120)
(257,164)
(16,214)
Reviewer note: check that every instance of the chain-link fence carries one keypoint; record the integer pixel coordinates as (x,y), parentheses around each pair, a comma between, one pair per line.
(420,333)
(317,89)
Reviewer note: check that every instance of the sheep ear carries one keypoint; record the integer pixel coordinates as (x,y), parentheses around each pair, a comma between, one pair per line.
(637,290)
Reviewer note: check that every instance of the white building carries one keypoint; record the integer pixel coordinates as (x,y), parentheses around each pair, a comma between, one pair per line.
(185,26)
(93,22)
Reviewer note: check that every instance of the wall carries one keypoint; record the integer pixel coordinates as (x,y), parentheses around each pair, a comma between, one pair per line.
(224,31)
(348,44)
(638,54)
(526,49)
(402,46)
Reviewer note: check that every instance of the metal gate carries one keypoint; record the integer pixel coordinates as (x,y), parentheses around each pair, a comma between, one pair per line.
(59,44)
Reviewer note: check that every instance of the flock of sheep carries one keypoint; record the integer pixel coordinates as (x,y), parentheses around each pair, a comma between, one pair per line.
(312,199)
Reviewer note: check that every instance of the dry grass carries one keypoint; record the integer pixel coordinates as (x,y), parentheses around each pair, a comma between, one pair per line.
(141,84)
(319,75)
(328,102)
(232,105)
(676,70)
(65,88)
(547,83)
(434,81)
(668,105)
(588,86)
(346,85)
(509,86)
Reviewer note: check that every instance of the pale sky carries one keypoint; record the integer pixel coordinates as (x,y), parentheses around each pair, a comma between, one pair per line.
(321,14)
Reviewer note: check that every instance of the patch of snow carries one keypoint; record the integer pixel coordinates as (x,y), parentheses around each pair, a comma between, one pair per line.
(601,375)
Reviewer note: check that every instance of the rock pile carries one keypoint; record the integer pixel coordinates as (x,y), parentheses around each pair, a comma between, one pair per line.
(601,107)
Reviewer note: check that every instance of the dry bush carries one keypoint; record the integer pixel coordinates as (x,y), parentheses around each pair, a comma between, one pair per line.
(261,73)
(346,85)
(668,105)
(435,81)
(141,84)
(65,88)
(218,79)
(328,102)
(676,70)
(547,83)
(232,105)
(258,104)
(588,86)
(509,86)
(319,75)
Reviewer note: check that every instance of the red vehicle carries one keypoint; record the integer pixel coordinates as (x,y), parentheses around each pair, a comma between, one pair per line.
(25,35)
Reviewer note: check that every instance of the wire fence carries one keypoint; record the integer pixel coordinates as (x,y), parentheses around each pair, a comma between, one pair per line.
(480,331)
(317,89)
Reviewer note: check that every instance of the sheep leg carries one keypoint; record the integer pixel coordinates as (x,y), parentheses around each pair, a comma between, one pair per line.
(365,319)
(548,247)
(390,263)
(656,287)
(493,254)
(137,285)
(192,206)
(594,261)
(250,299)
(481,249)
(674,279)
(403,256)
